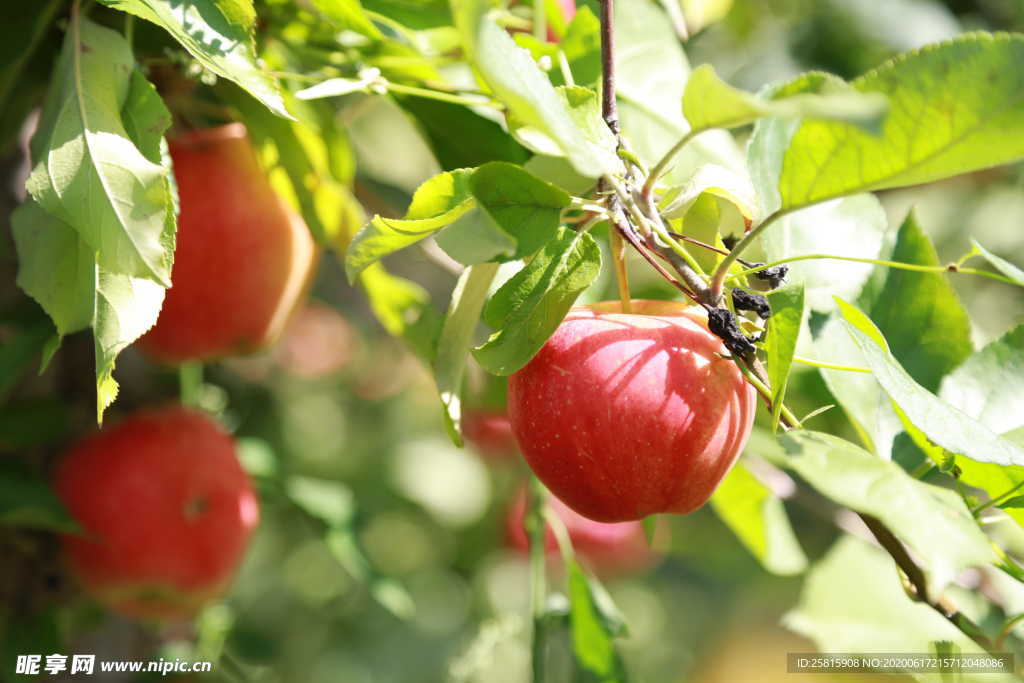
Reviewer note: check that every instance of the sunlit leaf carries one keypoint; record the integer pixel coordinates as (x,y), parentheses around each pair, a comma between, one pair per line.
(932,521)
(1002,265)
(348,14)
(783,331)
(853,602)
(710,102)
(528,308)
(592,644)
(522,205)
(90,170)
(437,203)
(954,107)
(456,340)
(943,424)
(925,324)
(218,33)
(518,82)
(715,180)
(651,71)
(758,519)
(851,226)
(403,309)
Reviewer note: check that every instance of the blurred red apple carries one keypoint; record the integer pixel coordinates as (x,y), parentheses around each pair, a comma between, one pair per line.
(317,342)
(166,512)
(627,415)
(243,257)
(608,549)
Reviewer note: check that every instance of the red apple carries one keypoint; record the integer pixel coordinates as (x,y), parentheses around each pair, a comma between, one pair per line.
(608,549)
(317,342)
(626,415)
(243,257)
(166,512)
(490,433)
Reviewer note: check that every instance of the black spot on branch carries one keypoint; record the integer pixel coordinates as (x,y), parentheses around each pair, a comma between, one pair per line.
(743,300)
(722,322)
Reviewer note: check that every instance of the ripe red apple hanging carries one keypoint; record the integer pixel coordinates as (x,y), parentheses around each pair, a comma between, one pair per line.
(166,512)
(243,258)
(626,415)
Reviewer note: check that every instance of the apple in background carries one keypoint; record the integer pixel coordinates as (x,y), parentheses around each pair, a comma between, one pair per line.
(166,512)
(626,415)
(608,549)
(489,432)
(243,257)
(317,342)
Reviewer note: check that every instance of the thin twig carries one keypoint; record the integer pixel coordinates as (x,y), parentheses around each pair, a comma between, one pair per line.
(609,109)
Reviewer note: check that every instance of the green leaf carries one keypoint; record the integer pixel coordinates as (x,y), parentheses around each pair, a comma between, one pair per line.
(348,15)
(865,403)
(335,87)
(940,422)
(709,102)
(1002,265)
(771,138)
(528,308)
(593,646)
(61,273)
(403,309)
(417,15)
(55,267)
(581,46)
(456,339)
(852,601)
(926,326)
(31,422)
(126,308)
(518,82)
(987,386)
(954,107)
(459,137)
(783,331)
(758,519)
(218,33)
(436,203)
(521,204)
(476,238)
(932,521)
(303,150)
(94,169)
(852,226)
(717,181)
(651,71)
(26,500)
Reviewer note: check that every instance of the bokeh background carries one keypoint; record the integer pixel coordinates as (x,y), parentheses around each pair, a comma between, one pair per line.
(383,554)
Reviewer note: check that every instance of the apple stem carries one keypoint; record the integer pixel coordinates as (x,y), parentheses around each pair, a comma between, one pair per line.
(533,524)
(618,246)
